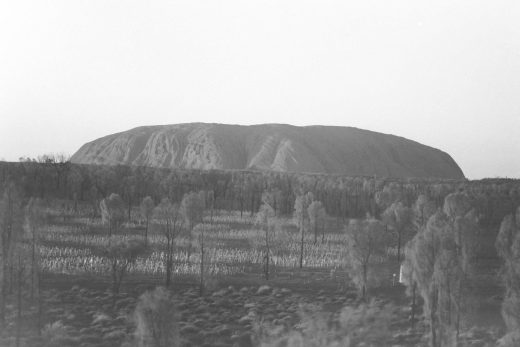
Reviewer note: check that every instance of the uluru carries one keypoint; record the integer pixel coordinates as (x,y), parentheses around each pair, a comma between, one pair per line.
(278,147)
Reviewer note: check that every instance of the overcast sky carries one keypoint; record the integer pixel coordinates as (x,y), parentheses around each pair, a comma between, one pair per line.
(444,73)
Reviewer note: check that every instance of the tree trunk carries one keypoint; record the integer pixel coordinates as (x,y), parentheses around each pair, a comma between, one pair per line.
(252,203)
(448,290)
(459,301)
(189,241)
(267,255)
(114,282)
(399,247)
(3,289)
(241,205)
(146,232)
(33,264)
(267,266)
(118,282)
(168,273)
(75,208)
(414,289)
(433,321)
(457,328)
(301,245)
(11,274)
(40,305)
(19,303)
(169,264)
(201,285)
(365,270)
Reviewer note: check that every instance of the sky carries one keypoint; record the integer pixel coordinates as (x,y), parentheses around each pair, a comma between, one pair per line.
(443,73)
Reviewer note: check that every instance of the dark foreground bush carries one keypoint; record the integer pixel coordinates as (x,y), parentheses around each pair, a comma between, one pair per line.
(156,318)
(366,325)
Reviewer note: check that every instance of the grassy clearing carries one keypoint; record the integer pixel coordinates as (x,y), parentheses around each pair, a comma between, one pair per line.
(70,248)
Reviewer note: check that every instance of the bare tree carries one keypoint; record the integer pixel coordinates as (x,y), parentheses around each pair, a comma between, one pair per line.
(508,248)
(210,203)
(407,277)
(265,220)
(200,237)
(317,215)
(463,223)
(10,232)
(423,209)
(147,209)
(34,219)
(425,249)
(301,204)
(20,261)
(192,208)
(112,213)
(168,218)
(272,198)
(206,246)
(75,180)
(121,255)
(60,162)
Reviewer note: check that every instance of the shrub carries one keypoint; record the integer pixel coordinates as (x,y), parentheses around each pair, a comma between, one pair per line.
(156,320)
(365,325)
(54,334)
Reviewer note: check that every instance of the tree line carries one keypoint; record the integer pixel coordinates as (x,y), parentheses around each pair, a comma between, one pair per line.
(342,197)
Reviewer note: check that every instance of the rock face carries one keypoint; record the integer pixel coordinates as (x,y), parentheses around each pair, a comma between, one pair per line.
(279,147)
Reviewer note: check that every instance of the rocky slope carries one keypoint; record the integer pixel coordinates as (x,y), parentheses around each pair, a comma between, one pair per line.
(324,149)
